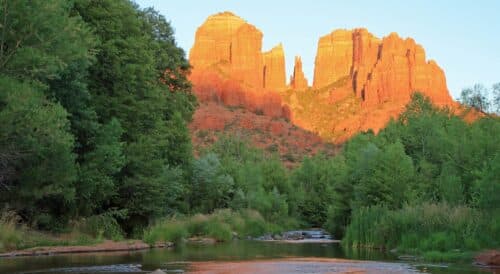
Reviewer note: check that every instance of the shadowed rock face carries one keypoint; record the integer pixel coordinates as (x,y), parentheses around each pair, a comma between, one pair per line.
(360,81)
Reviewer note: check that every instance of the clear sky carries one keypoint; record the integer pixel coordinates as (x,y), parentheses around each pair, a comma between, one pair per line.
(463,36)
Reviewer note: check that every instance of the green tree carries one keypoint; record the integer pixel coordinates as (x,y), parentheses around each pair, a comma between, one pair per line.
(33,43)
(139,80)
(42,190)
(496,97)
(475,97)
(212,188)
(315,180)
(99,169)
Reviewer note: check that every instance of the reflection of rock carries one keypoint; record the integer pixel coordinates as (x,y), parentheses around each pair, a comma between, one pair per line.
(488,258)
(202,240)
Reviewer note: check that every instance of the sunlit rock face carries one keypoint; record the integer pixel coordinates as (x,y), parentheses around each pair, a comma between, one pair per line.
(229,65)
(360,81)
(333,58)
(400,70)
(380,70)
(298,80)
(274,69)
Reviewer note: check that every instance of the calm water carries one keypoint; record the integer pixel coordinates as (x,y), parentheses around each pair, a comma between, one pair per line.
(177,260)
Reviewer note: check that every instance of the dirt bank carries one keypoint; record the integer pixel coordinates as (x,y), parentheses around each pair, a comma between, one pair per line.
(106,246)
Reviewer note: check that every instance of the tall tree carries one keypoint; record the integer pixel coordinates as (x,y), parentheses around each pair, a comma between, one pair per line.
(36,132)
(139,79)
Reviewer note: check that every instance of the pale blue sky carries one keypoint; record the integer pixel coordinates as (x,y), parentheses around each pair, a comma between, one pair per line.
(462,36)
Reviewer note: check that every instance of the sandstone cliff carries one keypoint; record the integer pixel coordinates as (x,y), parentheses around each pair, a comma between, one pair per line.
(333,58)
(274,69)
(386,70)
(228,65)
(360,81)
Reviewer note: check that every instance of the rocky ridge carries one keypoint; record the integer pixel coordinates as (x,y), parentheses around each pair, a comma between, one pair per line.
(360,81)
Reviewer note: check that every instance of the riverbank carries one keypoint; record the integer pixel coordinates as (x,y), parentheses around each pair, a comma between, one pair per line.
(105,246)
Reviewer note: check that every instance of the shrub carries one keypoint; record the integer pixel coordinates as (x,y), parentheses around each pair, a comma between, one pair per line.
(219,225)
(167,231)
(220,231)
(103,226)
(10,237)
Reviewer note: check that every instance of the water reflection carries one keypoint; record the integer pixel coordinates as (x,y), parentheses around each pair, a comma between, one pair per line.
(137,262)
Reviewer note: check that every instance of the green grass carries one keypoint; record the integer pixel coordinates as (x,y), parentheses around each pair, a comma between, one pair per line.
(436,232)
(220,225)
(15,236)
(10,236)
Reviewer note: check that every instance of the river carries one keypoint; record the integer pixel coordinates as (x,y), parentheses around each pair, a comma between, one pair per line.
(239,257)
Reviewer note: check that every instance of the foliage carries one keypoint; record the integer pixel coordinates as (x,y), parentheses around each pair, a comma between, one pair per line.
(103,226)
(427,183)
(36,130)
(421,228)
(481,98)
(94,108)
(10,236)
(219,225)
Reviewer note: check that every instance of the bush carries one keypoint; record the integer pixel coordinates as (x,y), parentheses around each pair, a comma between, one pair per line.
(220,231)
(167,231)
(10,237)
(219,225)
(103,226)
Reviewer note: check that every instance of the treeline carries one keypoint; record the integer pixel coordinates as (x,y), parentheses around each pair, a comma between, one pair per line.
(429,181)
(94,103)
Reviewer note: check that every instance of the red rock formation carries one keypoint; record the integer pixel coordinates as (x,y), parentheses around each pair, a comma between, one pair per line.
(333,58)
(368,80)
(213,40)
(229,66)
(246,56)
(402,69)
(381,71)
(298,80)
(274,69)
(364,57)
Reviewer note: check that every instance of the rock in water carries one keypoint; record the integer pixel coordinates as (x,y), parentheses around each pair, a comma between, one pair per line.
(158,271)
